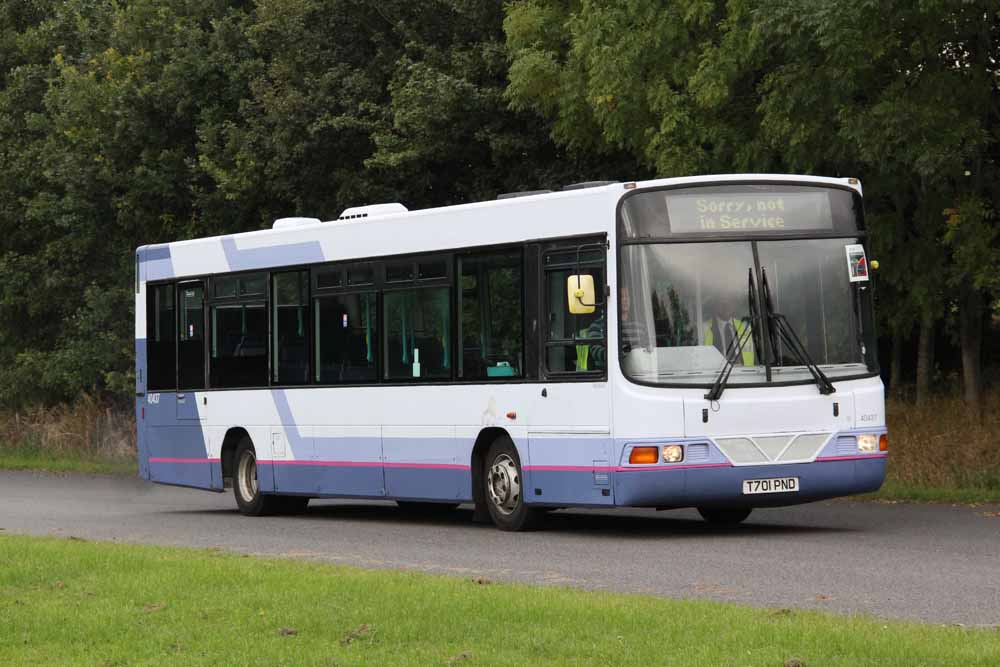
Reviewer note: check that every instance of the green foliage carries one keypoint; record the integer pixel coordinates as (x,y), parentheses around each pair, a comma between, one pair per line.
(141,122)
(123,124)
(904,95)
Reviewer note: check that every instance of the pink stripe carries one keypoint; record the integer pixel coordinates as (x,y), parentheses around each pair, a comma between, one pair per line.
(364,464)
(331,464)
(852,458)
(169,460)
(570,468)
(429,466)
(640,468)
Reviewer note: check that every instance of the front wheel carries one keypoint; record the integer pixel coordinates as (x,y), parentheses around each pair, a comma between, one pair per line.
(504,489)
(726,516)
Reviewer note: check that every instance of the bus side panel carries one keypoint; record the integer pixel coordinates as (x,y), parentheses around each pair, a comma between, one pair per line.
(425,463)
(140,363)
(140,436)
(177,453)
(569,470)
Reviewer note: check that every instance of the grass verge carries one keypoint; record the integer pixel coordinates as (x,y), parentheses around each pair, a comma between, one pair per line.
(26,458)
(72,602)
(895,491)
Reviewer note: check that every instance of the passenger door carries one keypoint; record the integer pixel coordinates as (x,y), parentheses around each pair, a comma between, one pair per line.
(569,433)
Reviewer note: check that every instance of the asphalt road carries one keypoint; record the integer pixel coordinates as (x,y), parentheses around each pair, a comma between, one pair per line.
(935,563)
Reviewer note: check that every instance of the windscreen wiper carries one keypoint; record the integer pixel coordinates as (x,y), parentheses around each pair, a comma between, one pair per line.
(736,347)
(781,330)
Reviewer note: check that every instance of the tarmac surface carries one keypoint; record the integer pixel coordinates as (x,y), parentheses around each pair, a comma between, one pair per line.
(936,563)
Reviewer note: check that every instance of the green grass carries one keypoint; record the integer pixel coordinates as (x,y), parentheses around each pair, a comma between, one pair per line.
(69,602)
(26,458)
(906,492)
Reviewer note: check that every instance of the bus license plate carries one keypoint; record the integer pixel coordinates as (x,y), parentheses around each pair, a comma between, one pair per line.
(775,485)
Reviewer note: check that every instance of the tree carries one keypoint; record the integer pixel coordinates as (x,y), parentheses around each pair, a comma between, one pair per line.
(903,95)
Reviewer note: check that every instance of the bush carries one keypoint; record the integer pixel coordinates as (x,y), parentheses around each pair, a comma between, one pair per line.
(944,443)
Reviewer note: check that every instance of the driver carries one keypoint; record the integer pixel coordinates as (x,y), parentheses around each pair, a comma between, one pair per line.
(723,327)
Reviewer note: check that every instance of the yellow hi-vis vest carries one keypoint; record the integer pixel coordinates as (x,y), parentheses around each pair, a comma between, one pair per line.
(739,326)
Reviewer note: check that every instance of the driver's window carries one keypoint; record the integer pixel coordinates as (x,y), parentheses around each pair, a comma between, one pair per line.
(575,343)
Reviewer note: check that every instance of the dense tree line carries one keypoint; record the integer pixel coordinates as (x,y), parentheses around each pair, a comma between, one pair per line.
(123,123)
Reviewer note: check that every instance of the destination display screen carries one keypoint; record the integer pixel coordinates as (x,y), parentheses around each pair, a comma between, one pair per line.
(743,210)
(749,212)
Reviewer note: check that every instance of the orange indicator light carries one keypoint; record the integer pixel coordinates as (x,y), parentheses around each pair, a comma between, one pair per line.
(644,455)
(883,443)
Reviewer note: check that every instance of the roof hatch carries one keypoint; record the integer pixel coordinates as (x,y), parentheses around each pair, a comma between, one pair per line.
(372,211)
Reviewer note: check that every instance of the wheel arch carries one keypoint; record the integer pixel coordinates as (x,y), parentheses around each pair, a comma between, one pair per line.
(227,456)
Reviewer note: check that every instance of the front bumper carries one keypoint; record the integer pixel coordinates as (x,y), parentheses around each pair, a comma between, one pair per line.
(721,485)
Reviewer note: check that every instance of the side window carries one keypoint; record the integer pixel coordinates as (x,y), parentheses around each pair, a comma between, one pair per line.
(290,328)
(574,343)
(239,335)
(346,338)
(191,336)
(161,351)
(492,316)
(417,319)
(418,333)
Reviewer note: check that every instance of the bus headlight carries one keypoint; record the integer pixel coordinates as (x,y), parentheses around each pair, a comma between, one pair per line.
(868,443)
(673,453)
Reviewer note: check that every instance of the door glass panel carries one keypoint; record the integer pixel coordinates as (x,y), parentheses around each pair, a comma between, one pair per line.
(346,338)
(191,337)
(290,324)
(576,343)
(418,333)
(161,371)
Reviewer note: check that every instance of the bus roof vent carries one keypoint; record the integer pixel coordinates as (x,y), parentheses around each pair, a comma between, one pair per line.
(285,223)
(523,193)
(588,184)
(372,211)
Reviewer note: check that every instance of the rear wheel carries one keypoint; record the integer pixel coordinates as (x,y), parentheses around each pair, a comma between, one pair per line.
(724,516)
(504,489)
(246,488)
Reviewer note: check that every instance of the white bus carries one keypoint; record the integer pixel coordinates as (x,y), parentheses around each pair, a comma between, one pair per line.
(700,342)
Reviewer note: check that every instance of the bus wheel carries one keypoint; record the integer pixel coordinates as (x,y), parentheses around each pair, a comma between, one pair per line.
(248,496)
(504,489)
(725,516)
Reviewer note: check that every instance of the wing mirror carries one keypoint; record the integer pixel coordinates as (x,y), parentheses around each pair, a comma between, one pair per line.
(580,294)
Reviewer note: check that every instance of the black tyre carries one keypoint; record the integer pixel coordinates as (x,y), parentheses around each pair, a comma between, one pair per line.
(503,489)
(724,516)
(248,496)
(416,507)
